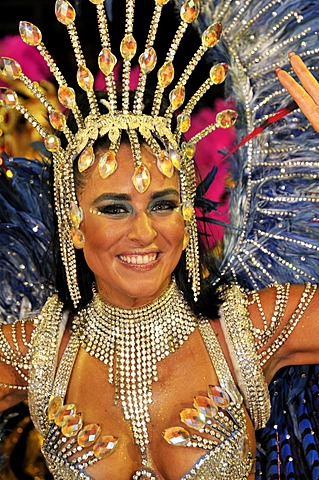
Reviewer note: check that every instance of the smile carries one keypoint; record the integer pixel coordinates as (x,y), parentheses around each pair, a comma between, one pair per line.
(139,259)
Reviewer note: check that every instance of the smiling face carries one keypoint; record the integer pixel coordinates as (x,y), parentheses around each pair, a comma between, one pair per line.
(133,241)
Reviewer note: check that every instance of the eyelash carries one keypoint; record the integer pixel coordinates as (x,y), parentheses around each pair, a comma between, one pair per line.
(163,206)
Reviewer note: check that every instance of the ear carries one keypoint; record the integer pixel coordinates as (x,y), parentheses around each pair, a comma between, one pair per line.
(77,238)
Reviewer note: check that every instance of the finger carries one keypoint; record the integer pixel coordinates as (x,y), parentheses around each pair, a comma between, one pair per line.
(307,80)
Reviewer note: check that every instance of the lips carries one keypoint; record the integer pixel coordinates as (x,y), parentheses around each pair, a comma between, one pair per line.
(139,259)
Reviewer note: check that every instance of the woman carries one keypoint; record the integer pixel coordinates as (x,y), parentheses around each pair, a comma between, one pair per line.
(139,347)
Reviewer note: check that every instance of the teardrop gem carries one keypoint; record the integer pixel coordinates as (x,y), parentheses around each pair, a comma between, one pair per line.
(57,120)
(212,34)
(165,165)
(52,143)
(76,214)
(148,60)
(65,411)
(141,178)
(85,78)
(183,122)
(218,73)
(106,445)
(190,10)
(64,12)
(226,118)
(30,34)
(97,2)
(107,164)
(88,435)
(71,425)
(177,96)
(66,96)
(193,418)
(189,150)
(54,406)
(219,396)
(8,98)
(178,436)
(107,61)
(188,211)
(175,158)
(10,68)
(161,2)
(205,406)
(165,74)
(128,47)
(86,159)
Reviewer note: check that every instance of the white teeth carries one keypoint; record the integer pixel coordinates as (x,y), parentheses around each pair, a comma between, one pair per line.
(139,259)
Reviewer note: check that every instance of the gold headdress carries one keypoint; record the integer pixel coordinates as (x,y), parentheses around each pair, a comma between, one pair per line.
(156,130)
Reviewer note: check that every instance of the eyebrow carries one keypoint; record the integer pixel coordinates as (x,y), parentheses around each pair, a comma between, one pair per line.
(125,197)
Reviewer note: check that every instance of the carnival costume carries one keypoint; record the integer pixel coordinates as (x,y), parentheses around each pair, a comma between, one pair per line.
(272,235)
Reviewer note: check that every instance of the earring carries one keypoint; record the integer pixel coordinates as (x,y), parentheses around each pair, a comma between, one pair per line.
(77,238)
(186,238)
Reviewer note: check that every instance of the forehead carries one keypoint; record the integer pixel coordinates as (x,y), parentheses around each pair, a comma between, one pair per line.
(121,180)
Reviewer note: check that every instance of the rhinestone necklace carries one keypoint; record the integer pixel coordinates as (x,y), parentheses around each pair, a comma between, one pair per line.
(131,343)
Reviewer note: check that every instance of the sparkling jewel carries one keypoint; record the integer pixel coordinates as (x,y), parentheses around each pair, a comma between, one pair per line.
(52,143)
(76,214)
(57,120)
(205,406)
(219,396)
(85,78)
(107,61)
(97,2)
(106,445)
(30,34)
(165,165)
(147,60)
(188,211)
(10,68)
(77,237)
(177,96)
(128,47)
(175,158)
(8,98)
(141,178)
(218,73)
(161,2)
(107,164)
(88,435)
(189,150)
(183,122)
(176,436)
(64,12)
(65,411)
(86,159)
(165,74)
(190,10)
(54,406)
(211,35)
(71,425)
(226,118)
(66,96)
(193,418)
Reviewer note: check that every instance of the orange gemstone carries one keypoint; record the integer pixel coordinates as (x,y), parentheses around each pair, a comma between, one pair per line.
(183,122)
(161,2)
(148,60)
(226,118)
(52,143)
(212,34)
(54,406)
(57,120)
(29,33)
(76,214)
(86,159)
(193,418)
(8,98)
(177,97)
(165,165)
(64,12)
(10,68)
(107,164)
(88,435)
(205,406)
(175,158)
(219,396)
(107,61)
(128,47)
(85,78)
(177,436)
(190,10)
(65,411)
(188,211)
(165,74)
(218,73)
(189,150)
(106,445)
(71,425)
(66,96)
(141,178)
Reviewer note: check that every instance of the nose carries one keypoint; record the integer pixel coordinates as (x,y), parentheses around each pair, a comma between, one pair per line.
(142,230)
